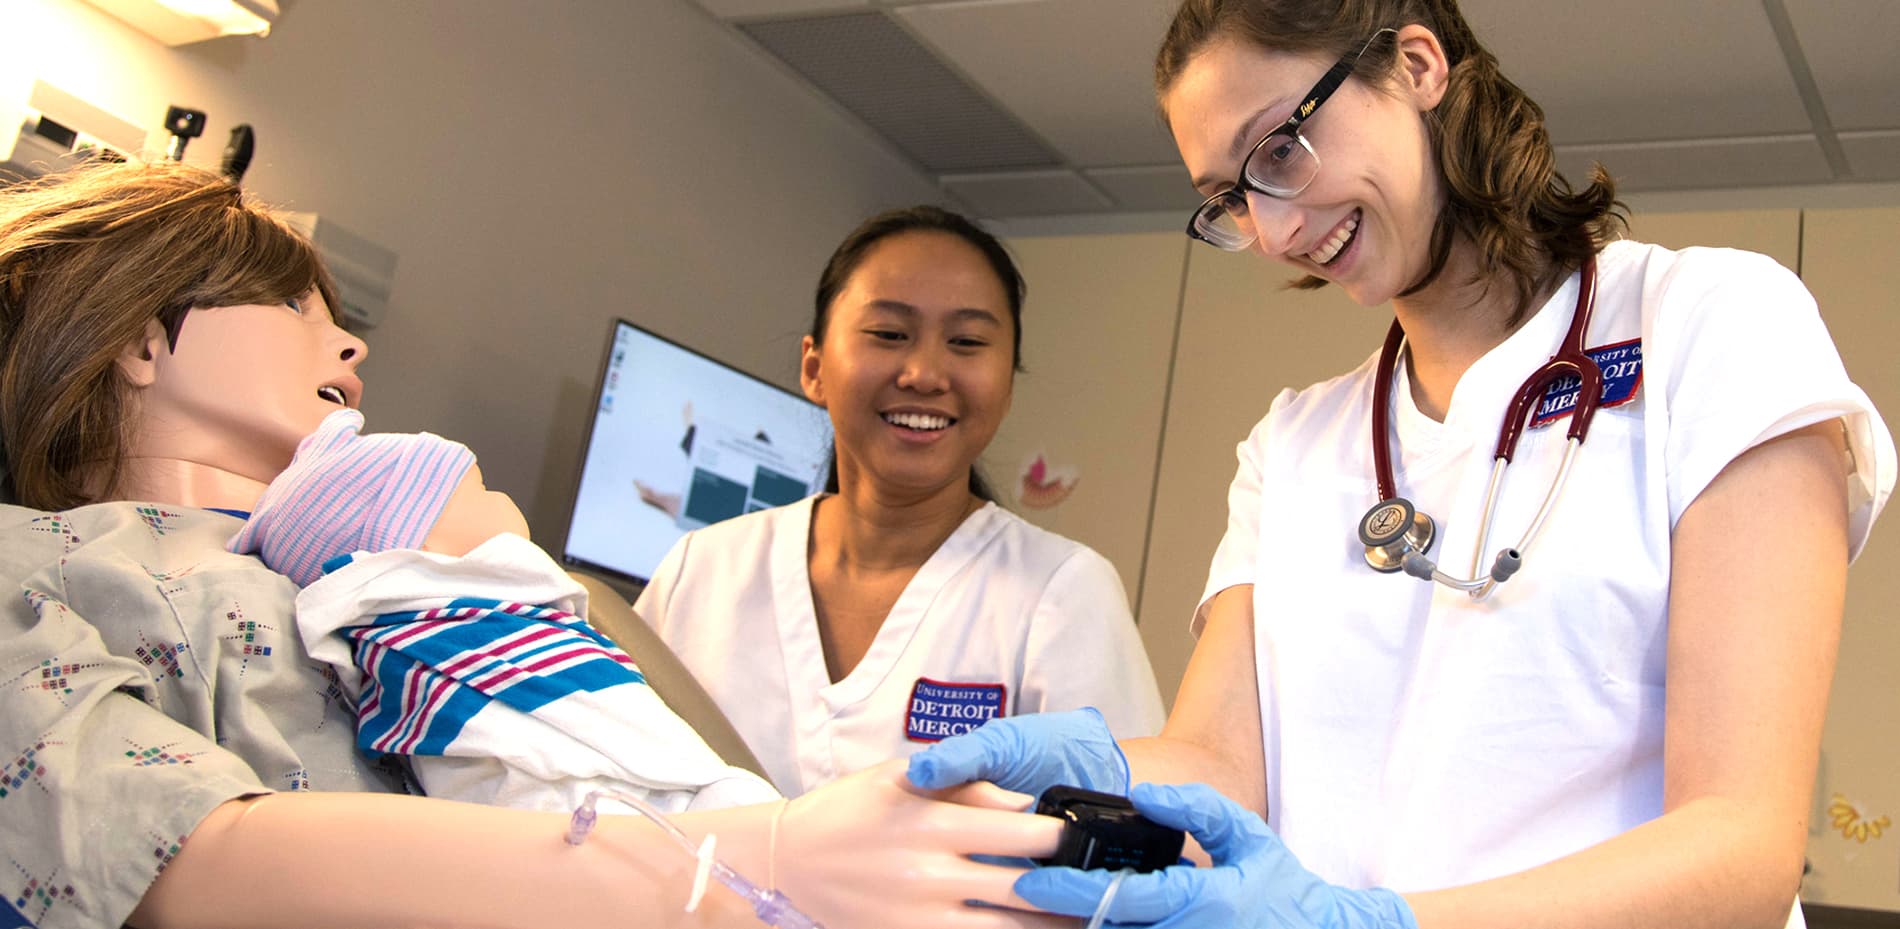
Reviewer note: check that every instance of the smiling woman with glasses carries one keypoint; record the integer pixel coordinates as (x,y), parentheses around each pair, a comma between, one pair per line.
(1404,728)
(1281,164)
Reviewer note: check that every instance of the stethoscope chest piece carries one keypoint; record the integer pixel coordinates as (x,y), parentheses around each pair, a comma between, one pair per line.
(1393,529)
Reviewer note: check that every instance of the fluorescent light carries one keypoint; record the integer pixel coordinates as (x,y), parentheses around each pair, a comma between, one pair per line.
(179,22)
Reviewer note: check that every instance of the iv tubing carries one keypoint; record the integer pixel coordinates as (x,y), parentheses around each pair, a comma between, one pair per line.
(772,908)
(1108,897)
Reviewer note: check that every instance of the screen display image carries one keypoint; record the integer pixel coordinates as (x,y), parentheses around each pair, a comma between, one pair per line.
(681,441)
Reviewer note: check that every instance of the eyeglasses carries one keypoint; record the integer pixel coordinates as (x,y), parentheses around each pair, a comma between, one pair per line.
(1280,165)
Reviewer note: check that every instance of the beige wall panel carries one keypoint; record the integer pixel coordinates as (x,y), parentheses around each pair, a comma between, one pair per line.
(1852,264)
(1775,233)
(1098,329)
(1243,338)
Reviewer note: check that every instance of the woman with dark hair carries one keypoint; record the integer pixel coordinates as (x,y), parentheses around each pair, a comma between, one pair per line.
(905,606)
(1621,734)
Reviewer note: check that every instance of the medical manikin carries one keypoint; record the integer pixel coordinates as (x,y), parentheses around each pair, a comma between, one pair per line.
(174,757)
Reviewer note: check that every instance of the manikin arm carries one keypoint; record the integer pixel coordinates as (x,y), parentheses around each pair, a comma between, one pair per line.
(864,851)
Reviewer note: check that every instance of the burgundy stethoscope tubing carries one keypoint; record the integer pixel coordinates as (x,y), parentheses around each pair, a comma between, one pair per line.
(1569,361)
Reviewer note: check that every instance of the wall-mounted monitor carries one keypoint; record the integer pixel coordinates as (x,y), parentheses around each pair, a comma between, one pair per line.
(679,441)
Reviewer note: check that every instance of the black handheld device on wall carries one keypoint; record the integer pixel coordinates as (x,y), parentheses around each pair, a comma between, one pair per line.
(1102,830)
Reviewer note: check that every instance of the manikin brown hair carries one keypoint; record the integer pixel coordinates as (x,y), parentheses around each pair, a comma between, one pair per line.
(1502,187)
(87,260)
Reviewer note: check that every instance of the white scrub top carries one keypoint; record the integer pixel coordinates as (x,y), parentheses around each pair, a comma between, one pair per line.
(1004,618)
(1415,739)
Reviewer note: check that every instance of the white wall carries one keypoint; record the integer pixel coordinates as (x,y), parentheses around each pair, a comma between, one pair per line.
(538,167)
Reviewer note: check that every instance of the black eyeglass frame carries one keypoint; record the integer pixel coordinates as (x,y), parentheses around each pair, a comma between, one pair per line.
(1310,104)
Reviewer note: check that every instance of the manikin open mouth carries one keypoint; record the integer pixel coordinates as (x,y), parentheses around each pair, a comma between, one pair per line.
(334,394)
(922,422)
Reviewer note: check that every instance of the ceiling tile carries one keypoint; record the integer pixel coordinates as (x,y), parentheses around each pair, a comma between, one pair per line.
(735,9)
(1147,188)
(870,64)
(1640,70)
(1849,45)
(1873,156)
(1026,193)
(1780,161)
(1078,71)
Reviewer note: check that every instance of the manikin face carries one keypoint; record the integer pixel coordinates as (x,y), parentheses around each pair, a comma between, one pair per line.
(473,515)
(1377,183)
(916,367)
(246,384)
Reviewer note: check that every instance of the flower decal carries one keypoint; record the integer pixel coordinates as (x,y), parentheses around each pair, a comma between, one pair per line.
(1043,485)
(1853,824)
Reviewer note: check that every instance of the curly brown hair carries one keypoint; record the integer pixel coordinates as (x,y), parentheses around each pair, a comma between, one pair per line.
(1503,189)
(87,259)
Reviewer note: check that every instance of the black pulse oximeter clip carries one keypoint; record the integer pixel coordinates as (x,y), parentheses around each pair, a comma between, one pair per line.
(1103,831)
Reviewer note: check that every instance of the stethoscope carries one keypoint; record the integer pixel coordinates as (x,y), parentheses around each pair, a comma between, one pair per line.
(1397,535)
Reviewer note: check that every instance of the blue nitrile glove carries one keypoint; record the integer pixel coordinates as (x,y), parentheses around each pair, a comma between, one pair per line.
(1028,754)
(1255,882)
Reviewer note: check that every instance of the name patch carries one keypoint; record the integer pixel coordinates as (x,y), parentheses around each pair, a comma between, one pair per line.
(1622,366)
(939,710)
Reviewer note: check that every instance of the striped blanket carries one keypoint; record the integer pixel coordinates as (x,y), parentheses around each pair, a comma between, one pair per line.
(482,672)
(430,671)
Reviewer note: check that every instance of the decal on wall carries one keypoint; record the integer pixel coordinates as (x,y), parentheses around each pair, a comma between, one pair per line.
(1853,824)
(1043,485)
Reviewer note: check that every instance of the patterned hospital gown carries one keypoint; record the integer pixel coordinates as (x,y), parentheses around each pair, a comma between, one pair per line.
(146,676)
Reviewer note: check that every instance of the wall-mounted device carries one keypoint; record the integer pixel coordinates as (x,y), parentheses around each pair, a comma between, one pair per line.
(365,272)
(52,129)
(237,152)
(184,125)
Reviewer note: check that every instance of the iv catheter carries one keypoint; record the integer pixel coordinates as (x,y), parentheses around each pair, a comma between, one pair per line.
(772,908)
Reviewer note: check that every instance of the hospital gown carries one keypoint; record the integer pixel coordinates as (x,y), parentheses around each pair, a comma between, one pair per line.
(146,677)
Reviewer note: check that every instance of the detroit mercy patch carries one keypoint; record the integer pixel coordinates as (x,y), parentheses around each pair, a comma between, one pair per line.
(939,710)
(1622,367)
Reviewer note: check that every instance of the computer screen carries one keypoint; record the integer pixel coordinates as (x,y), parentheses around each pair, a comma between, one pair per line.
(680,441)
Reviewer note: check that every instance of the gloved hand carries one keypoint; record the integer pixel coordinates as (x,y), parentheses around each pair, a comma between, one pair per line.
(1255,882)
(1028,754)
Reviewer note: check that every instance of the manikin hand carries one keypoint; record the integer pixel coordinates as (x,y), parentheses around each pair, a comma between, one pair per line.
(1255,882)
(868,850)
(1028,754)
